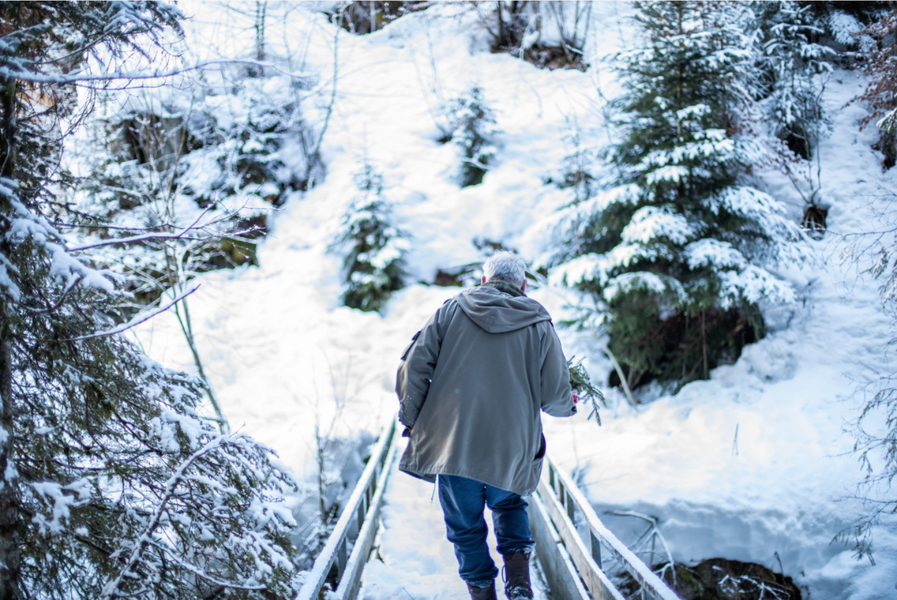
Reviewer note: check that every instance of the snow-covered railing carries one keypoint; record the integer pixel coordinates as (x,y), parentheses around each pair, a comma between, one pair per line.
(572,565)
(343,557)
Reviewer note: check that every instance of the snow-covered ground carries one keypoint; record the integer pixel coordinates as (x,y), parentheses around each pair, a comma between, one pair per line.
(749,465)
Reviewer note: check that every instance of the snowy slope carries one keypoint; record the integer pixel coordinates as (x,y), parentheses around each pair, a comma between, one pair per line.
(279,347)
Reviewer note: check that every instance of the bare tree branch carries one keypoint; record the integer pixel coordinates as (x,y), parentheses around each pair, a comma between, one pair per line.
(82,77)
(127,326)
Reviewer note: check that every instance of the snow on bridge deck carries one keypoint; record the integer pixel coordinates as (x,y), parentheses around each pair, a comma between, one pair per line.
(412,559)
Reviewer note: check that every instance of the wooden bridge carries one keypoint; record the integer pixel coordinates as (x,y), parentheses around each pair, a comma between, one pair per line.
(575,550)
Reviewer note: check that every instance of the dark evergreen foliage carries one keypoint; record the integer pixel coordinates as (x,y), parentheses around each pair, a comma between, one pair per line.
(114,483)
(839,20)
(671,248)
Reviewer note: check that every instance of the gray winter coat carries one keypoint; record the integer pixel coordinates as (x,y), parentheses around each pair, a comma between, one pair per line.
(471,387)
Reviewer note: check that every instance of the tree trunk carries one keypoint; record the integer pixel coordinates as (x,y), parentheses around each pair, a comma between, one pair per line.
(260,9)
(10,555)
(704,343)
(187,329)
(887,144)
(501,29)
(321,463)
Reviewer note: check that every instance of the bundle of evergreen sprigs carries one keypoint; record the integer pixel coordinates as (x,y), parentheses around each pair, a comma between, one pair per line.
(584,390)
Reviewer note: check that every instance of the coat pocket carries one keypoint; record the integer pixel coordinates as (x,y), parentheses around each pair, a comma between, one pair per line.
(543,446)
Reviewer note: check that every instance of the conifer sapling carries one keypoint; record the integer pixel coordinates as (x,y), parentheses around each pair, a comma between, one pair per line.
(584,390)
(473,130)
(375,262)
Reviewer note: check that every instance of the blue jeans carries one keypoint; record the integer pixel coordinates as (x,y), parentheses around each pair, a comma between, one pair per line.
(463,501)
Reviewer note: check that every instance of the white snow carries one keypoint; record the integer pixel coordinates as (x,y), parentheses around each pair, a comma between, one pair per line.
(58,502)
(652,222)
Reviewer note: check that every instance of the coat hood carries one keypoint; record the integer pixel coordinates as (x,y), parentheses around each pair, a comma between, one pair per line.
(498,312)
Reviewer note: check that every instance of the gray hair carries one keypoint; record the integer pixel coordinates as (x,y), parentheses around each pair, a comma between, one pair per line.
(505,266)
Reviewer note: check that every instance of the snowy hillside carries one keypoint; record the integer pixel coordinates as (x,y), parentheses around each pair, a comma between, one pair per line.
(753,465)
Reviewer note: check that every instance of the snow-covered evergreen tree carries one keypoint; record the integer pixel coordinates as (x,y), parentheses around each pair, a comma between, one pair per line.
(790,65)
(842,24)
(672,251)
(578,165)
(115,484)
(793,70)
(374,266)
(473,131)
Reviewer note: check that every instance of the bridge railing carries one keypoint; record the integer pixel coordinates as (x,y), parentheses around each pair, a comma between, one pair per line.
(341,561)
(573,563)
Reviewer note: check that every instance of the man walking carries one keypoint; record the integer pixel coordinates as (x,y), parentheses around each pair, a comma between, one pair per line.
(471,387)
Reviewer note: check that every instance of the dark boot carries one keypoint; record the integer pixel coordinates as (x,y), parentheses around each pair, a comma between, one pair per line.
(486,593)
(516,576)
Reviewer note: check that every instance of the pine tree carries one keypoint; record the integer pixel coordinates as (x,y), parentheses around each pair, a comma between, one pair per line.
(115,483)
(672,251)
(793,71)
(790,64)
(578,165)
(375,263)
(473,131)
